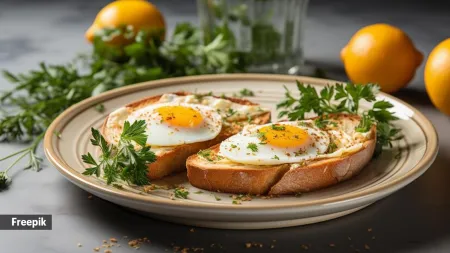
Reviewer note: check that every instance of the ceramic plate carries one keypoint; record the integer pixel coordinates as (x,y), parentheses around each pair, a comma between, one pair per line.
(395,168)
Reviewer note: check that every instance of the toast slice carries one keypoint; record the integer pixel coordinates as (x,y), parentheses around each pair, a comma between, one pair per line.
(224,175)
(172,159)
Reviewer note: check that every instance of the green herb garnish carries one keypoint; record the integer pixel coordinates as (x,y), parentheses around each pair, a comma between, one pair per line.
(206,153)
(122,161)
(332,147)
(278,127)
(246,93)
(275,157)
(344,98)
(40,95)
(253,147)
(180,193)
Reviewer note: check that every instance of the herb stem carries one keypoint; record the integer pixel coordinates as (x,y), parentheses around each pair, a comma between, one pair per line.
(15,162)
(14,154)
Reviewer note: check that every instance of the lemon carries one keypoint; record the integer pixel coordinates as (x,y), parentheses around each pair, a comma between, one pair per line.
(138,14)
(437,76)
(381,54)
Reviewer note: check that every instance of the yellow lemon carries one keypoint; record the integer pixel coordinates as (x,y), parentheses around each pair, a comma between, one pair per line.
(381,54)
(437,76)
(138,14)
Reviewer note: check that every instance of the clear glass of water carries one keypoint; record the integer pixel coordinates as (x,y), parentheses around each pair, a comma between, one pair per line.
(269,33)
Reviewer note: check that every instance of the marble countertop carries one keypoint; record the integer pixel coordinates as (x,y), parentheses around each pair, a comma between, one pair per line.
(415,219)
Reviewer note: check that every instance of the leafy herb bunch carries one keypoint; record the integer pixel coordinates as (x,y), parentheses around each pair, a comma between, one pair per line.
(344,98)
(122,161)
(40,95)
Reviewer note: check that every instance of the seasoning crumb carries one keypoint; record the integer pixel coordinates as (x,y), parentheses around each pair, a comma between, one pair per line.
(185,250)
(248,245)
(192,230)
(373,237)
(133,243)
(97,249)
(105,241)
(305,247)
(90,197)
(107,251)
(79,245)
(332,245)
(272,246)
(349,238)
(366,247)
(112,239)
(369,230)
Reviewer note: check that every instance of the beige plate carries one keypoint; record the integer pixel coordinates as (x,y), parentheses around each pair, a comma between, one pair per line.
(394,169)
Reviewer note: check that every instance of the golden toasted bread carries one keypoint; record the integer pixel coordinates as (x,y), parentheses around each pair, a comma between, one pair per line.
(173,158)
(224,175)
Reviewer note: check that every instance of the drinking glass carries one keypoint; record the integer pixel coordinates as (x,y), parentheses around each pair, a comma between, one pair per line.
(269,33)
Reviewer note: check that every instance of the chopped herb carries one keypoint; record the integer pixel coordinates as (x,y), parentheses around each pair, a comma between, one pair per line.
(180,193)
(198,192)
(322,121)
(233,146)
(118,186)
(217,198)
(253,147)
(230,112)
(332,147)
(57,134)
(200,96)
(206,153)
(278,127)
(100,108)
(262,137)
(249,118)
(275,157)
(236,202)
(246,93)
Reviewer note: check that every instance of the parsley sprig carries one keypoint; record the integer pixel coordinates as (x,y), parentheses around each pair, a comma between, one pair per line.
(122,161)
(40,95)
(343,98)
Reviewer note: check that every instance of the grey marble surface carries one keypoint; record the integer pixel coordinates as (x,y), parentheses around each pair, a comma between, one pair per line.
(415,219)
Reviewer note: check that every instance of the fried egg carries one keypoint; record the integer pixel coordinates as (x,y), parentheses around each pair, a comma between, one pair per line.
(284,142)
(170,124)
(176,120)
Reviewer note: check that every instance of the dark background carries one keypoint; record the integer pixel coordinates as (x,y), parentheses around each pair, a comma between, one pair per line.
(415,219)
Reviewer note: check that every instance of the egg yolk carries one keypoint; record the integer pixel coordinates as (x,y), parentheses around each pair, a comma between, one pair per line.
(180,116)
(283,136)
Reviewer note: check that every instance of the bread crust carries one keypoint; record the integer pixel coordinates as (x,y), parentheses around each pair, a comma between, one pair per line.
(174,160)
(279,179)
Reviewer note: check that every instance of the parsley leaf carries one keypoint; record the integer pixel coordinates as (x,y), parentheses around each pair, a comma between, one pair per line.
(275,157)
(206,153)
(124,160)
(43,93)
(343,98)
(278,127)
(246,93)
(253,147)
(181,193)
